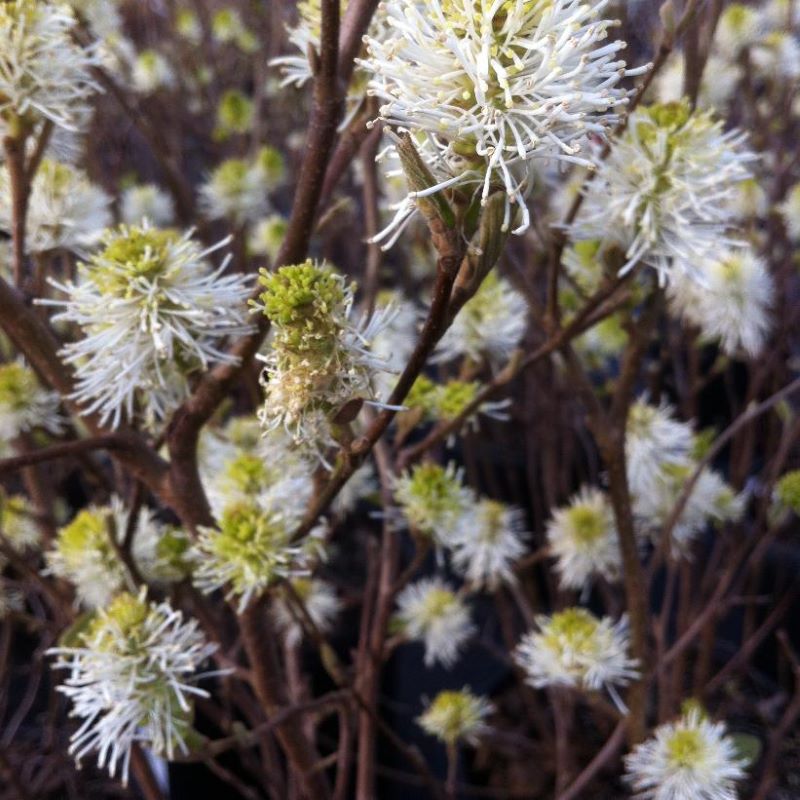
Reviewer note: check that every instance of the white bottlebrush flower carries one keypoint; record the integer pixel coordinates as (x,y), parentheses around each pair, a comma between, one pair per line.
(84,554)
(152,310)
(777,56)
(431,612)
(238,188)
(690,759)
(739,26)
(458,716)
(730,302)
(790,210)
(666,192)
(320,601)
(133,676)
(491,324)
(712,500)
(433,499)
(583,539)
(147,202)
(271,475)
(752,201)
(653,440)
(44,74)
(318,360)
(491,86)
(575,648)
(361,484)
(488,541)
(65,210)
(102,16)
(24,404)
(18,528)
(151,71)
(267,236)
(250,551)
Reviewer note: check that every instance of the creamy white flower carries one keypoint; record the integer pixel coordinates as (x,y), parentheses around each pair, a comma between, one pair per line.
(151,72)
(361,484)
(395,343)
(250,550)
(65,210)
(752,200)
(132,679)
(320,601)
(318,360)
(777,55)
(739,26)
(433,499)
(433,613)
(575,648)
(730,301)
(147,202)
(102,16)
(83,552)
(690,759)
(493,85)
(712,500)
(654,439)
(665,194)
(488,540)
(152,311)
(24,404)
(18,527)
(583,540)
(456,716)
(44,74)
(267,236)
(490,324)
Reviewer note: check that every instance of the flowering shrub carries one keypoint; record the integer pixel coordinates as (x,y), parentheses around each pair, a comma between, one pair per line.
(398,399)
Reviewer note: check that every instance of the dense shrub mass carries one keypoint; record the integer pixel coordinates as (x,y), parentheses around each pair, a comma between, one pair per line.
(399,399)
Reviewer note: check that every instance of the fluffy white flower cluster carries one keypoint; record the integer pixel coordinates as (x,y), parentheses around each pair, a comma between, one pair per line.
(318,360)
(661,457)
(490,325)
(690,759)
(666,193)
(573,648)
(65,210)
(86,552)
(456,716)
(147,202)
(24,404)
(489,87)
(132,679)
(320,602)
(44,74)
(430,611)
(152,311)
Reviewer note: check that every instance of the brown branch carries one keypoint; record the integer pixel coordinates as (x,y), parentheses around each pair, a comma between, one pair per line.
(111,441)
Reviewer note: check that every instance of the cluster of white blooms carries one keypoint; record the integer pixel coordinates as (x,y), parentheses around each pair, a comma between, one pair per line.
(267,235)
(458,716)
(489,87)
(730,302)
(250,550)
(146,202)
(133,676)
(690,759)
(152,311)
(395,343)
(665,193)
(24,404)
(583,539)
(790,209)
(576,649)
(433,499)
(320,601)
(85,552)
(660,459)
(151,71)
(431,612)
(18,528)
(488,540)
(44,74)
(238,189)
(318,360)
(490,325)
(65,210)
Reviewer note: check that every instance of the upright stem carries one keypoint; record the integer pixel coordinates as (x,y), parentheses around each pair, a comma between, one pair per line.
(14,146)
(451,787)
